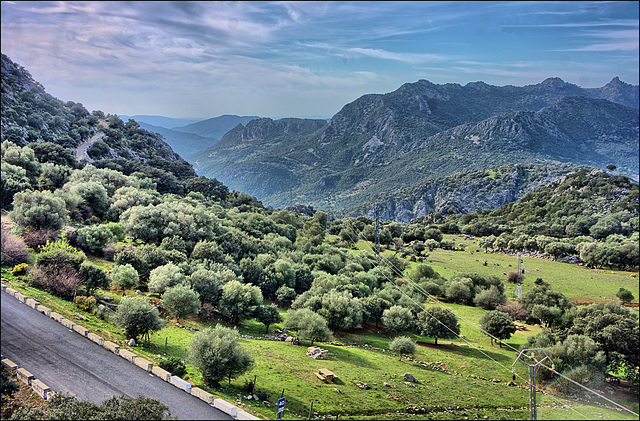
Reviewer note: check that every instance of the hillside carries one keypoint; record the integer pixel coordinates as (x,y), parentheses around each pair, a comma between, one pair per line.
(32,116)
(475,190)
(385,143)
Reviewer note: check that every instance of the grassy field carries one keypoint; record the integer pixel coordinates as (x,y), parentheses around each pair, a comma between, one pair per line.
(457,379)
(578,283)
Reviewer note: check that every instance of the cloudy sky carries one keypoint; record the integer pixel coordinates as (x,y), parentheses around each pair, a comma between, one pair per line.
(306,59)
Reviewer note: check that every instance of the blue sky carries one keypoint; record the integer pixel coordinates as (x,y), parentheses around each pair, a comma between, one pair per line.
(306,59)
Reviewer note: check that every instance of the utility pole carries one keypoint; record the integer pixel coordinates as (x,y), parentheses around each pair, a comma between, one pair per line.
(377,247)
(528,358)
(519,287)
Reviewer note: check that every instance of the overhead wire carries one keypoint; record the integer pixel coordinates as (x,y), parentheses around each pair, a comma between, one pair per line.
(429,296)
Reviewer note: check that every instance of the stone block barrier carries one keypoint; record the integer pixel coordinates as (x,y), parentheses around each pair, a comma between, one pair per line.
(41,389)
(225,407)
(96,338)
(4,287)
(146,365)
(111,347)
(24,376)
(31,303)
(55,316)
(44,310)
(161,373)
(127,355)
(242,415)
(19,297)
(180,384)
(10,364)
(81,330)
(202,395)
(67,323)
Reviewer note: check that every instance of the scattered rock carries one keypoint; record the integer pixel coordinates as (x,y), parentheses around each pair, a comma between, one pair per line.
(107,299)
(131,342)
(317,353)
(292,340)
(409,384)
(80,316)
(510,383)
(363,385)
(338,390)
(409,377)
(385,384)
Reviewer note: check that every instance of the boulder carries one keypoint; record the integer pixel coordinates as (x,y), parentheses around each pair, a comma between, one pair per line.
(409,377)
(131,342)
(317,353)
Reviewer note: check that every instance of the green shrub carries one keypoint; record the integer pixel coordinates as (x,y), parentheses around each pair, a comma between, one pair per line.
(85,303)
(173,365)
(20,269)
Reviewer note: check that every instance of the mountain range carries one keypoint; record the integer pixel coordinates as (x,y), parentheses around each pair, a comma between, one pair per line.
(384,143)
(189,136)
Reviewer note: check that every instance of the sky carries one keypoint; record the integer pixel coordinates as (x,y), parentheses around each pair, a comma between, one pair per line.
(306,59)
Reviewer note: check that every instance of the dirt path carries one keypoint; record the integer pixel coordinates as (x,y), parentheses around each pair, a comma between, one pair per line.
(81,152)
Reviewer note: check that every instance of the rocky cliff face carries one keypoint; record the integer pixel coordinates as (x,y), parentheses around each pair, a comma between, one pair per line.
(384,143)
(475,190)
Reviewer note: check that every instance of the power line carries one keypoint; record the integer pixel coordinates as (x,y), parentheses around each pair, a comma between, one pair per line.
(428,296)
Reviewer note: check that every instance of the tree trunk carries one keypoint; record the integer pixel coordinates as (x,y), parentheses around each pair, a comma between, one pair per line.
(436,340)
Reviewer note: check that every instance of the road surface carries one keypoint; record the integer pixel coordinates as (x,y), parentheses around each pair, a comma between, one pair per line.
(71,364)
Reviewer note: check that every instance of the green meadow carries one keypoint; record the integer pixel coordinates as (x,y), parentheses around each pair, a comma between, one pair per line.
(464,378)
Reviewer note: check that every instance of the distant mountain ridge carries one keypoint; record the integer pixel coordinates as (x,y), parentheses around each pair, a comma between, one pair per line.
(382,143)
(215,127)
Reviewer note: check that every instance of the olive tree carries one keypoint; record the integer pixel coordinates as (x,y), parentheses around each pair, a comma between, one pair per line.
(498,325)
(309,325)
(268,315)
(438,323)
(137,316)
(181,301)
(39,210)
(217,353)
(398,319)
(124,276)
(239,301)
(403,345)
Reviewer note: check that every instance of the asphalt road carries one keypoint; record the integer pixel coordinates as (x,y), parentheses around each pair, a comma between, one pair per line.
(73,365)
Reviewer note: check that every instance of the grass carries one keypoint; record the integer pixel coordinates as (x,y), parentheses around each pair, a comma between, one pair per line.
(447,393)
(580,284)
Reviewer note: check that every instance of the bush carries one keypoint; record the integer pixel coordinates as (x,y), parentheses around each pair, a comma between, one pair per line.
(13,249)
(181,301)
(58,281)
(137,316)
(85,303)
(93,277)
(513,277)
(488,299)
(95,237)
(217,353)
(515,310)
(20,269)
(124,276)
(38,238)
(173,365)
(403,345)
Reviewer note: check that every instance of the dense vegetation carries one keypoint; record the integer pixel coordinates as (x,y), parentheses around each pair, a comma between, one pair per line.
(196,250)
